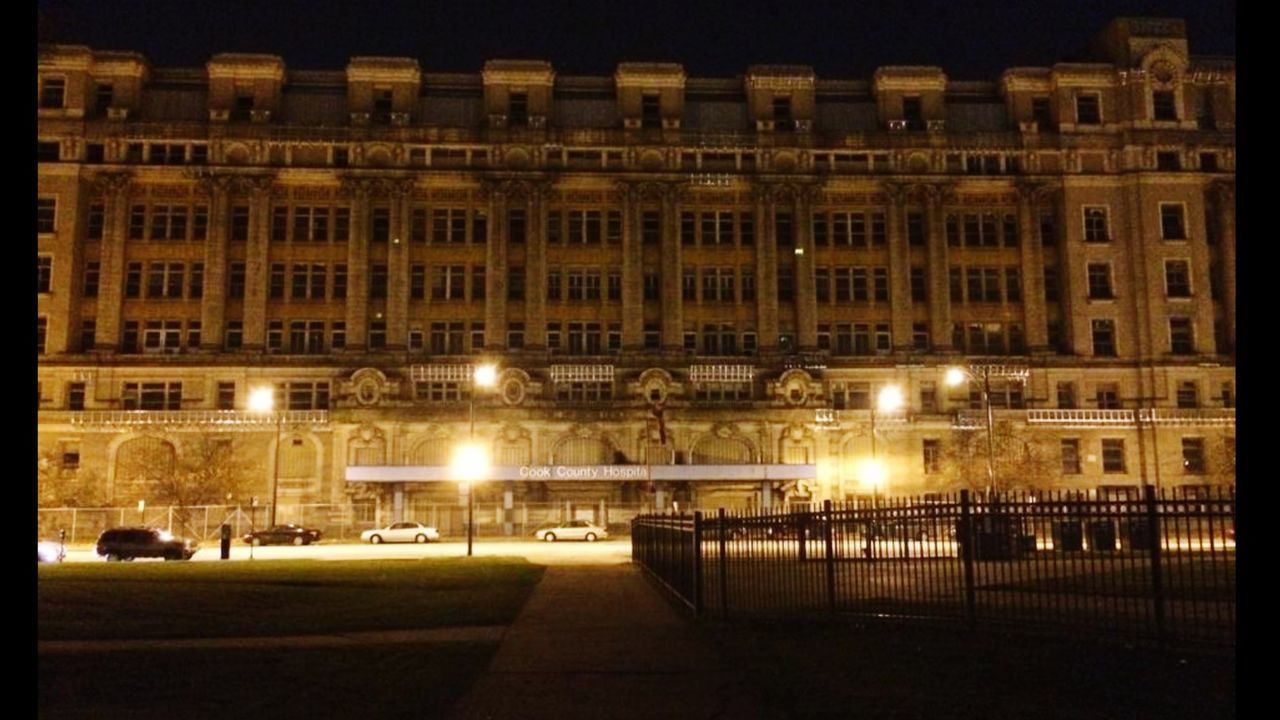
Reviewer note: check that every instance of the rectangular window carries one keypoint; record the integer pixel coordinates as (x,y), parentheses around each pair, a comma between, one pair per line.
(786,284)
(1173,224)
(46,212)
(1070,456)
(1177,279)
(1181,336)
(919,285)
(688,229)
(44,273)
(1107,396)
(378,280)
(1163,105)
(1193,461)
(1113,455)
(279,224)
(1100,281)
(53,93)
(477,282)
(381,229)
(417,282)
(515,336)
(240,223)
(195,288)
(276,284)
(1088,111)
(915,229)
(1095,225)
(377,335)
(1188,395)
(1041,113)
(784,229)
(338,336)
(1012,285)
(1104,338)
(1168,161)
(75,396)
(746,229)
(651,228)
(515,283)
(235,280)
(226,396)
(688,285)
(516,226)
(88,334)
(339,282)
(235,335)
(1067,395)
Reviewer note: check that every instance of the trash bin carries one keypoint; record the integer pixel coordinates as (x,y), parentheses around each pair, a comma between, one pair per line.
(1137,534)
(1102,535)
(1068,536)
(226,542)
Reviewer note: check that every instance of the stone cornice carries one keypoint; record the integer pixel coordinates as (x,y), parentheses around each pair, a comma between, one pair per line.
(650,75)
(518,72)
(241,66)
(383,69)
(780,77)
(917,78)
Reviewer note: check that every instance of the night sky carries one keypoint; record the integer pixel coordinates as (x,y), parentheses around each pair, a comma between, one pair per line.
(970,40)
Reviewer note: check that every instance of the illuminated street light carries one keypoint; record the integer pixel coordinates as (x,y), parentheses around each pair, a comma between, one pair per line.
(470,465)
(263,400)
(889,399)
(982,375)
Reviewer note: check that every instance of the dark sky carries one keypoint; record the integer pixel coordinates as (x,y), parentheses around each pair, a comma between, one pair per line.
(849,39)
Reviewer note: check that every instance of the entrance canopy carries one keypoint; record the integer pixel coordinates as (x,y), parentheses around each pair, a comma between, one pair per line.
(589,473)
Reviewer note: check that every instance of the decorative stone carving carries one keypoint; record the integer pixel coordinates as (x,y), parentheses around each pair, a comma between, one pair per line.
(794,387)
(512,386)
(655,385)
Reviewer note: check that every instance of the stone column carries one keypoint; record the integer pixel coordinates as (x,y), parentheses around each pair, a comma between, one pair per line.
(358,266)
(1035,318)
(495,291)
(535,265)
(806,291)
(766,270)
(632,270)
(401,193)
(899,269)
(213,306)
(114,188)
(1225,207)
(257,261)
(939,267)
(672,273)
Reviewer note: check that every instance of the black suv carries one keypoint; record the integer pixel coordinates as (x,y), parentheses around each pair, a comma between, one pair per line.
(134,542)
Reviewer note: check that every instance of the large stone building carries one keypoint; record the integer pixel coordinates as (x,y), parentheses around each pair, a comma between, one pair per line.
(703,280)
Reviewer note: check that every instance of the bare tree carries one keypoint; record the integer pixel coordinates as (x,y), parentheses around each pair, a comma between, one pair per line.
(210,470)
(1021,460)
(62,486)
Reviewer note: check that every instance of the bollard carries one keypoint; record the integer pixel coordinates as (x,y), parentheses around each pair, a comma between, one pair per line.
(226,541)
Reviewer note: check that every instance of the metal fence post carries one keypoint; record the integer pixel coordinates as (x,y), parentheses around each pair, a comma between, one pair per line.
(697,563)
(829,539)
(1157,579)
(966,555)
(724,565)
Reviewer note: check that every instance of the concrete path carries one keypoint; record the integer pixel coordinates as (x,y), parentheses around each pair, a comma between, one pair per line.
(481,633)
(601,642)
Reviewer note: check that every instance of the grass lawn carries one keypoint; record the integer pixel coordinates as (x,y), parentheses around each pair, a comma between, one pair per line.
(270,598)
(93,601)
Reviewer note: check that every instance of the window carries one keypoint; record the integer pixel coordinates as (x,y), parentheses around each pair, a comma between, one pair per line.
(515,283)
(1181,336)
(381,229)
(1107,396)
(748,283)
(1173,224)
(53,93)
(341,224)
(783,229)
(1228,395)
(1051,291)
(1040,112)
(75,396)
(195,289)
(133,280)
(235,280)
(95,153)
(518,109)
(1113,455)
(235,335)
(1168,161)
(1193,456)
(651,228)
(96,221)
(650,112)
(615,285)
(1095,225)
(1088,111)
(417,282)
(378,335)
(308,282)
(46,210)
(1209,162)
(1188,395)
(920,337)
(688,285)
(782,114)
(165,280)
(378,280)
(44,273)
(1012,285)
(311,224)
(240,223)
(226,396)
(919,285)
(516,226)
(477,282)
(162,336)
(1070,456)
(1067,395)
(275,288)
(1163,105)
(48,152)
(152,396)
(382,106)
(932,456)
(339,282)
(88,334)
(913,112)
(786,284)
(1177,279)
(338,336)
(42,328)
(1104,338)
(1100,281)
(515,336)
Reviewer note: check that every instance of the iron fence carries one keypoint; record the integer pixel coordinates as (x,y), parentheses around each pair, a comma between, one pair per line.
(1158,567)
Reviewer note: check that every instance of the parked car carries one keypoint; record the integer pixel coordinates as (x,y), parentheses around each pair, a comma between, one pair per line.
(50,551)
(127,543)
(571,530)
(401,532)
(283,535)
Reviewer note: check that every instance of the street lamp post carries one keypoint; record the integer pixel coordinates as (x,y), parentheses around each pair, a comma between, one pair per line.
(982,375)
(263,400)
(471,462)
(888,399)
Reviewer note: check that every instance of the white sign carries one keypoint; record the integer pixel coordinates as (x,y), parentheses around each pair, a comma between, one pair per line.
(584,472)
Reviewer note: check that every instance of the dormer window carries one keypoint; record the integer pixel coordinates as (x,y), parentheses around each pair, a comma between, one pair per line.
(1041,113)
(382,106)
(518,109)
(1163,106)
(103,98)
(782,114)
(650,112)
(53,94)
(1088,111)
(913,113)
(243,107)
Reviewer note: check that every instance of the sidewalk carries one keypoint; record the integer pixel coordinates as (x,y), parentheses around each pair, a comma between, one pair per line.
(601,642)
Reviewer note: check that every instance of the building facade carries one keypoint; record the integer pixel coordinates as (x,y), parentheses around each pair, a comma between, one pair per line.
(673,274)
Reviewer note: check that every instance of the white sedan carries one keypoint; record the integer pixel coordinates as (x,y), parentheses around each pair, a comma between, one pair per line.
(571,530)
(401,532)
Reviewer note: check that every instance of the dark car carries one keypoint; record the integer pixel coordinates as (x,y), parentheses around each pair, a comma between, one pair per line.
(128,543)
(283,535)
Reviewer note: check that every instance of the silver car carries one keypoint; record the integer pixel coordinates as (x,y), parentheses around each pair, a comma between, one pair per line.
(571,530)
(401,532)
